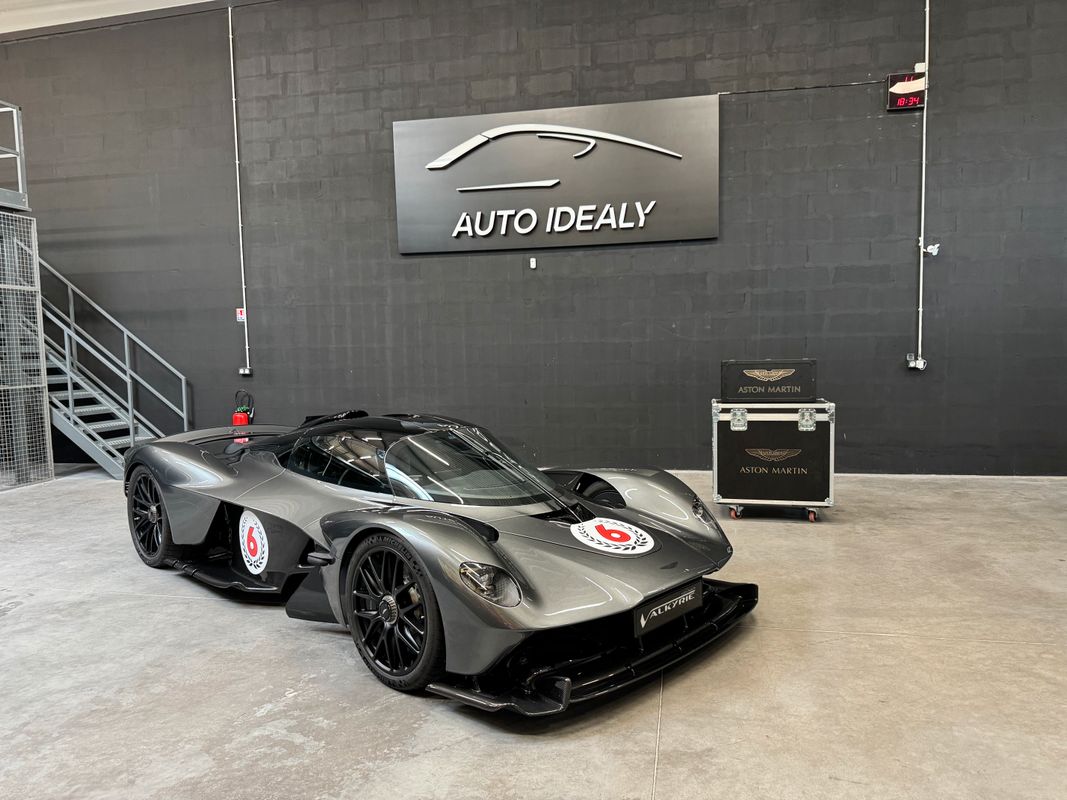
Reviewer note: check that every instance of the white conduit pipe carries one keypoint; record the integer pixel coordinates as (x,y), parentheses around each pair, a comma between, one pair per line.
(237,174)
(919,362)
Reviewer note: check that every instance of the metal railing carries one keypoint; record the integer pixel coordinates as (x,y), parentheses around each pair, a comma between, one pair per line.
(110,378)
(76,336)
(132,346)
(16,198)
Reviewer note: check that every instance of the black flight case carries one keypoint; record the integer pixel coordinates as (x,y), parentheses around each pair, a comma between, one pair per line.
(768,381)
(772,448)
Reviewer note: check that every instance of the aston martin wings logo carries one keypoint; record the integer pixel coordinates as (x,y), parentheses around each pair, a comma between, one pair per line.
(769,375)
(586,136)
(764,454)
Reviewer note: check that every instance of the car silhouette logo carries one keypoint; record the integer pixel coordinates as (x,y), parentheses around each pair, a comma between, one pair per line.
(543,131)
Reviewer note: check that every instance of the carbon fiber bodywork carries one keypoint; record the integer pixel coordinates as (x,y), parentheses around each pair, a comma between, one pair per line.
(313,527)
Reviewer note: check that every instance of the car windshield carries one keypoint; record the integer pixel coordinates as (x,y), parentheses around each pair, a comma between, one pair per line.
(463,466)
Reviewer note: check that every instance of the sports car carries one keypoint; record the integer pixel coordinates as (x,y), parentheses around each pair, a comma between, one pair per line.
(457,567)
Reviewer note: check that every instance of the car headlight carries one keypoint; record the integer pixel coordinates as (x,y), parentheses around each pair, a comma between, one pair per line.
(492,583)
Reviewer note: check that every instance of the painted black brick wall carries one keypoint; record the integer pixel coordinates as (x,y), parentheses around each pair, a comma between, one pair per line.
(611,355)
(129,135)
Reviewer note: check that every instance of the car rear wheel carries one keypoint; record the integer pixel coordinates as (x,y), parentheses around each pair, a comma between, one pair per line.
(604,494)
(149,524)
(393,614)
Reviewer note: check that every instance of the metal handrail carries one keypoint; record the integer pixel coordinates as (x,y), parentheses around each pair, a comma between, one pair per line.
(122,367)
(99,388)
(96,307)
(84,339)
(98,440)
(102,392)
(17,198)
(95,347)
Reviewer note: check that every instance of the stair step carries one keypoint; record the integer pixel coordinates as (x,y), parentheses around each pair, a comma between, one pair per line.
(61,378)
(86,411)
(120,444)
(106,425)
(77,394)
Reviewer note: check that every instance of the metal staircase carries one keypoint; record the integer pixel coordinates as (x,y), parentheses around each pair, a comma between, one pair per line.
(107,390)
(103,381)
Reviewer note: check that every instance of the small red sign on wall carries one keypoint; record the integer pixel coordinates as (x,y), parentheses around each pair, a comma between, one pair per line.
(905,91)
(240,314)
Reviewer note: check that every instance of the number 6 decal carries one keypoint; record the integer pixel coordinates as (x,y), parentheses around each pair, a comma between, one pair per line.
(613,536)
(252,543)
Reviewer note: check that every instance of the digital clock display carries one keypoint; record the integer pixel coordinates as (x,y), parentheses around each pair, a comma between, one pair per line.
(905,91)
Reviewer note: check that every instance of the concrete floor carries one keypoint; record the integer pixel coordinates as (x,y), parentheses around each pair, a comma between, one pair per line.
(913,644)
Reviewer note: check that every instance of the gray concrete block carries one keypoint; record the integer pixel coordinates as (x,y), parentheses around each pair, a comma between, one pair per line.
(664,24)
(491,88)
(681,47)
(621,52)
(402,30)
(549,83)
(442,94)
(998,17)
(358,121)
(551,58)
(659,73)
(291,62)
(467,67)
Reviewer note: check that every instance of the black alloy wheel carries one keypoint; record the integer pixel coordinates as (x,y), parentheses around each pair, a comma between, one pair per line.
(149,525)
(393,613)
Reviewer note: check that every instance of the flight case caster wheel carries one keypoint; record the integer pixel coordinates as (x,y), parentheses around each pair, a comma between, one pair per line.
(735,512)
(812,515)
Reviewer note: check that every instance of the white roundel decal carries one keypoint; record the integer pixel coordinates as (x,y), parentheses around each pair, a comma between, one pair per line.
(253,539)
(613,536)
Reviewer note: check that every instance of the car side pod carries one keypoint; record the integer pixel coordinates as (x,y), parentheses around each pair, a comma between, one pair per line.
(555,677)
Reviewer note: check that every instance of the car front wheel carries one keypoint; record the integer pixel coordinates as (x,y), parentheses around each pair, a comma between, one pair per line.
(393,614)
(149,524)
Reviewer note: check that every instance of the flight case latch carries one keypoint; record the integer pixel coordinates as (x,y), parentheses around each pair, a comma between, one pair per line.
(806,419)
(739,419)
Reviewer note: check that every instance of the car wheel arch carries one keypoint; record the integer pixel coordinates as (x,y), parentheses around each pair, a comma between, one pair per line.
(348,549)
(134,464)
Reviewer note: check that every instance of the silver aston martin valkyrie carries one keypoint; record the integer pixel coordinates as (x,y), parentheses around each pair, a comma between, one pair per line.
(457,567)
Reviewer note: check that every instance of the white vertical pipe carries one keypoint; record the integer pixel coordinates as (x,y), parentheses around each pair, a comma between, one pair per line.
(237,175)
(922,190)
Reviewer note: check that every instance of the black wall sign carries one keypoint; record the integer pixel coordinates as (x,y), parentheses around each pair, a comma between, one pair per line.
(563,177)
(905,91)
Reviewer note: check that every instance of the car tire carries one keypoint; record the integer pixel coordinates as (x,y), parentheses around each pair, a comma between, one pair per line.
(604,494)
(149,523)
(393,613)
